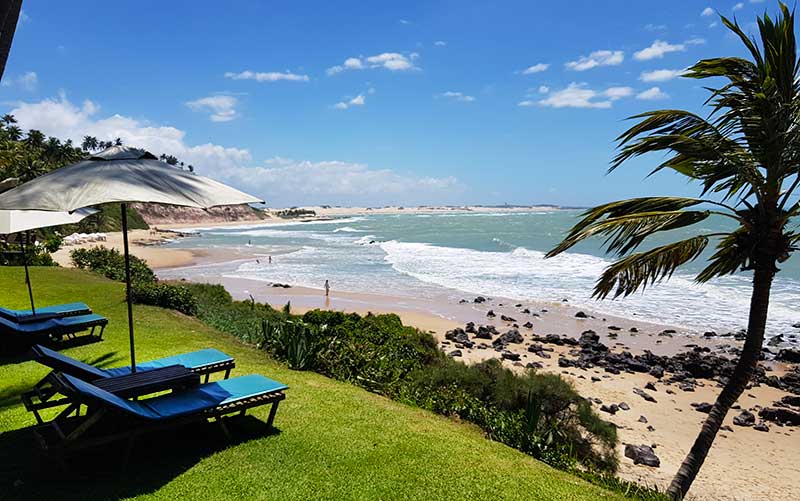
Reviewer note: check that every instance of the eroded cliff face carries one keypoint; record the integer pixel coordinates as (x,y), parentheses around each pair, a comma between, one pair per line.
(159,214)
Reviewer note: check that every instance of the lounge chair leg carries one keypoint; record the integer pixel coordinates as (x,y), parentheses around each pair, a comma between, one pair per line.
(224,428)
(272,411)
(227,373)
(207,376)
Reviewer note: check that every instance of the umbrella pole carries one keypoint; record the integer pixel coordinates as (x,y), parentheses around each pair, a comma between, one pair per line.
(27,275)
(128,281)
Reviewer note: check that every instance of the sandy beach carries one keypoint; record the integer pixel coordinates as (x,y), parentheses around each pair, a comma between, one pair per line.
(763,461)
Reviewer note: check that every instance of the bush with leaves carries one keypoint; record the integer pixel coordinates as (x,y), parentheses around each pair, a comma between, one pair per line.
(164,295)
(111,264)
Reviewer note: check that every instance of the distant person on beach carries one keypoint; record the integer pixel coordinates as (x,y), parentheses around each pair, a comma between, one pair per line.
(327,288)
(270,259)
(258,261)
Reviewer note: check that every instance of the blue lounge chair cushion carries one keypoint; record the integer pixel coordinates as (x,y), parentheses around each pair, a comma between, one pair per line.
(193,401)
(46,312)
(62,363)
(192,360)
(64,324)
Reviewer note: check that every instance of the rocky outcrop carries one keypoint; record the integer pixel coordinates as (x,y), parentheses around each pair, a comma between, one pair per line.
(642,454)
(159,214)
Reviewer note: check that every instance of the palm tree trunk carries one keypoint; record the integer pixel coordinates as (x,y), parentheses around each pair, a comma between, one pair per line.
(745,368)
(8,25)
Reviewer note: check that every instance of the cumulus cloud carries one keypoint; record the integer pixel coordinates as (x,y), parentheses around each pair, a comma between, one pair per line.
(281,182)
(359,100)
(708,11)
(220,107)
(657,50)
(597,58)
(392,61)
(27,81)
(440,43)
(578,95)
(652,94)
(526,103)
(738,6)
(268,76)
(544,89)
(536,68)
(297,182)
(655,27)
(457,96)
(660,75)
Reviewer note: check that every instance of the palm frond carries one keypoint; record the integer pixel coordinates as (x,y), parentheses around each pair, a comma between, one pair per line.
(639,270)
(628,222)
(729,257)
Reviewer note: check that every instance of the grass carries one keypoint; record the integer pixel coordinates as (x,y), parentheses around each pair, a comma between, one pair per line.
(333,440)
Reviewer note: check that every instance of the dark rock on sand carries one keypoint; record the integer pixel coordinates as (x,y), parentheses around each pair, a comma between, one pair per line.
(648,397)
(511,337)
(486,332)
(793,400)
(746,418)
(650,386)
(642,419)
(509,355)
(455,353)
(642,454)
(460,337)
(534,365)
(490,313)
(780,415)
(507,319)
(528,325)
(611,409)
(623,406)
(761,426)
(479,299)
(788,355)
(703,407)
(581,314)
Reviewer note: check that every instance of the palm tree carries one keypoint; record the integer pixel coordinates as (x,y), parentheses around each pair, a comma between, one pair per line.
(89,143)
(35,138)
(8,119)
(746,156)
(118,142)
(9,14)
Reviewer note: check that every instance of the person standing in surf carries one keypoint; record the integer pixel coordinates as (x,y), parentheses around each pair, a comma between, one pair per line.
(327,288)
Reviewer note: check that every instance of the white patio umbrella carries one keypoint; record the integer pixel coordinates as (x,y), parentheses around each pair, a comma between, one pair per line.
(17,221)
(121,174)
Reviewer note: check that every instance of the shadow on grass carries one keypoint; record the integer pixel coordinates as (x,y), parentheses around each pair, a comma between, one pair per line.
(156,459)
(15,350)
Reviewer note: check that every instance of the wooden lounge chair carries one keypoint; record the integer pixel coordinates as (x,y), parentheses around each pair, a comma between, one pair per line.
(202,362)
(55,328)
(111,418)
(46,312)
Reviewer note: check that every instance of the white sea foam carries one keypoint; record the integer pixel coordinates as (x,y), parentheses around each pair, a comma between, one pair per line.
(525,274)
(347,229)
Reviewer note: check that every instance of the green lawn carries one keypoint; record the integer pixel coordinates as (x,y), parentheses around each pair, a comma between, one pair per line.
(333,440)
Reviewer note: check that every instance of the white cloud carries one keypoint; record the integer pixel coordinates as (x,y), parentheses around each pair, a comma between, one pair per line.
(221,107)
(440,43)
(597,58)
(615,93)
(359,100)
(526,103)
(708,11)
(543,89)
(713,25)
(457,96)
(268,76)
(738,6)
(392,61)
(24,17)
(404,21)
(657,50)
(296,182)
(61,118)
(660,75)
(281,182)
(652,93)
(695,41)
(536,68)
(655,27)
(27,81)
(578,95)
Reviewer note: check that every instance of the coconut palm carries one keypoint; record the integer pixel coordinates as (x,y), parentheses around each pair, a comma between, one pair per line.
(89,143)
(746,157)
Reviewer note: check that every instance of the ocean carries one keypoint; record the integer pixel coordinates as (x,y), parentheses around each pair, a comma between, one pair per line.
(454,256)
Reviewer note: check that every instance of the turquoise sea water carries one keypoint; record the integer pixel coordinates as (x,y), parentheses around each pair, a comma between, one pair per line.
(459,255)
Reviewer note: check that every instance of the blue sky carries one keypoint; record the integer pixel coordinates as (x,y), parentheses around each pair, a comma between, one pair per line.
(370,102)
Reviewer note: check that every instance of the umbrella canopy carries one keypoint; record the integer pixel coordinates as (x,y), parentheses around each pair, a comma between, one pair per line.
(120,174)
(15,221)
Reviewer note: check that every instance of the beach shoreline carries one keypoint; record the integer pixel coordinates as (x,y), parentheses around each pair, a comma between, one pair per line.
(767,473)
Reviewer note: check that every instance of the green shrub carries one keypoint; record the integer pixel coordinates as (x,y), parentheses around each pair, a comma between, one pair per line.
(165,295)
(111,264)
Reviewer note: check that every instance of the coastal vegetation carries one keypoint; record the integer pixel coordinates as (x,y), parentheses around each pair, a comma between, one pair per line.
(744,156)
(334,439)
